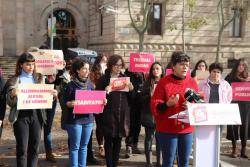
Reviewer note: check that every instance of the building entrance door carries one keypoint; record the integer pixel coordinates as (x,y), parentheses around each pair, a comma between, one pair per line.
(65,30)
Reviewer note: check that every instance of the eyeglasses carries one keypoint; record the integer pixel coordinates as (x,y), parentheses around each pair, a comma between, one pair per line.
(118,65)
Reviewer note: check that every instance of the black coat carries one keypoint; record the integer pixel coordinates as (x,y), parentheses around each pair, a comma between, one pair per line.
(233,131)
(147,119)
(115,120)
(2,98)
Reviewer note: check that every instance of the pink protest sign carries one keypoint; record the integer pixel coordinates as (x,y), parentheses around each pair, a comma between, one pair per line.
(87,102)
(141,62)
(241,91)
(170,71)
(119,84)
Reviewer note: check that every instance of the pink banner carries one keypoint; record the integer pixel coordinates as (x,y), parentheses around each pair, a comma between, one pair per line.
(87,102)
(141,62)
(241,91)
(170,71)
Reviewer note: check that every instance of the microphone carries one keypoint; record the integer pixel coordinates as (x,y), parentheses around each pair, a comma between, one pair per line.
(192,96)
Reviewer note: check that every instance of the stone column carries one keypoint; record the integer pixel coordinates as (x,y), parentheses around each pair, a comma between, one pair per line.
(20,39)
(1,30)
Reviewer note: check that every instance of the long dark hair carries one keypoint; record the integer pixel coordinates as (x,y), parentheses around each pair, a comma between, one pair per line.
(77,65)
(96,66)
(233,73)
(112,60)
(193,73)
(23,58)
(151,77)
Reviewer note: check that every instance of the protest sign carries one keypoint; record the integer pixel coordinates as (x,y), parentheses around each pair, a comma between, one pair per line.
(241,91)
(214,114)
(34,96)
(201,75)
(57,57)
(89,101)
(44,63)
(141,62)
(119,84)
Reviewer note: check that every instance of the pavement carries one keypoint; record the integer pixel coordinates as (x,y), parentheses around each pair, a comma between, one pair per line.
(7,150)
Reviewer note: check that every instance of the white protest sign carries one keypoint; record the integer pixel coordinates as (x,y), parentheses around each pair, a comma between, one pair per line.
(44,63)
(34,96)
(119,84)
(58,57)
(214,114)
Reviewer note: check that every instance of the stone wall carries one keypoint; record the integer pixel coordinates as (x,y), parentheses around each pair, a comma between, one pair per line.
(200,44)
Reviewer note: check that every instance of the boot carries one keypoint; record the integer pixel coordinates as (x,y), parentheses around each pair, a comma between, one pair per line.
(135,149)
(234,155)
(148,158)
(128,152)
(50,156)
(243,150)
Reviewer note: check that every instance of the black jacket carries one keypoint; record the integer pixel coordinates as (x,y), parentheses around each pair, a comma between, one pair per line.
(2,98)
(116,117)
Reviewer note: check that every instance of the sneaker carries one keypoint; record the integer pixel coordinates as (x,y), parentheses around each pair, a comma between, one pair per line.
(101,152)
(128,152)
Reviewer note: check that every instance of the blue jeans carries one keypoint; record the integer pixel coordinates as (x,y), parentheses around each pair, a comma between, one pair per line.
(50,113)
(170,143)
(79,135)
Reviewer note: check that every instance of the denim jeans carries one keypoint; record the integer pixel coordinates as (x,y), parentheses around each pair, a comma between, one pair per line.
(50,113)
(79,135)
(170,143)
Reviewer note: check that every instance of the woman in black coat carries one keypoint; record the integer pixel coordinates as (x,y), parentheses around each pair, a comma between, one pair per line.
(239,73)
(115,119)
(2,102)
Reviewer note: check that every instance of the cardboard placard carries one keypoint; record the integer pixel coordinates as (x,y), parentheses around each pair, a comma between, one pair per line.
(58,57)
(44,63)
(35,96)
(119,84)
(201,75)
(214,114)
(87,102)
(141,62)
(241,91)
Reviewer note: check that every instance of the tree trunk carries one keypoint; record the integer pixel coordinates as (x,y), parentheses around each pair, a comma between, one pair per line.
(141,41)
(219,45)
(183,27)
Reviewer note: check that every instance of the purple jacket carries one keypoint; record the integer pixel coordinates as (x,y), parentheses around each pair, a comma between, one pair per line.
(225,91)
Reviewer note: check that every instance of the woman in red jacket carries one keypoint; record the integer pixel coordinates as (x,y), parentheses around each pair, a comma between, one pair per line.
(168,99)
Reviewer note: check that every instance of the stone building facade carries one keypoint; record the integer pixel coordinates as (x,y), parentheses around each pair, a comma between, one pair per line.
(23,23)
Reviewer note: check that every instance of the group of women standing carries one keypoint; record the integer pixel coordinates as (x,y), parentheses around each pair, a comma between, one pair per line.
(161,97)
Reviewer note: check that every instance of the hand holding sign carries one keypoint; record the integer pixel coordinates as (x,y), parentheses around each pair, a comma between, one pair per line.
(120,84)
(14,92)
(70,104)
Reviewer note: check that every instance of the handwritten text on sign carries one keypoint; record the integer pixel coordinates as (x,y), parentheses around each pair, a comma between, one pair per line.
(57,57)
(213,114)
(89,101)
(119,84)
(44,63)
(35,96)
(141,62)
(241,91)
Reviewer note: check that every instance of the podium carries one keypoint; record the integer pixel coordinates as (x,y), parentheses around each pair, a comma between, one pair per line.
(207,119)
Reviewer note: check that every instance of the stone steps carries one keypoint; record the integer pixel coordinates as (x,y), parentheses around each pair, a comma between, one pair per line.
(8,65)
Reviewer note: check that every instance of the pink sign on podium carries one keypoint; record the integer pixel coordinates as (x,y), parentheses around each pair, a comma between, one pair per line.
(87,102)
